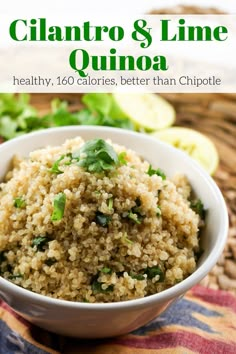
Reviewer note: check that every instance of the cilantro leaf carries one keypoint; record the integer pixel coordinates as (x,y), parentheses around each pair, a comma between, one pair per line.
(58,207)
(157,172)
(136,276)
(154,271)
(40,242)
(19,202)
(106,270)
(102,219)
(55,167)
(96,156)
(198,207)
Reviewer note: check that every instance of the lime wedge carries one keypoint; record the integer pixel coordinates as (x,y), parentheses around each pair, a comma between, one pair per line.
(195,144)
(146,110)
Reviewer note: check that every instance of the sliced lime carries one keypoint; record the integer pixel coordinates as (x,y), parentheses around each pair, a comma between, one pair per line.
(146,110)
(195,144)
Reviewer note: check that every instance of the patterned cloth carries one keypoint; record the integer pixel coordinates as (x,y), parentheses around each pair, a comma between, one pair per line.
(204,321)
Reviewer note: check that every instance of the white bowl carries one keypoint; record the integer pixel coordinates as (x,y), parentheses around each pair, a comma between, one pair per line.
(112,319)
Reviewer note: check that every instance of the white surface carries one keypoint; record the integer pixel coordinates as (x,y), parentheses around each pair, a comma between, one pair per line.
(106,320)
(115,6)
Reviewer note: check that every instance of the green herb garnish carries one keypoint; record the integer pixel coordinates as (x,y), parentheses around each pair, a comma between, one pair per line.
(59,203)
(134,217)
(154,271)
(97,286)
(157,172)
(19,202)
(15,276)
(106,270)
(136,276)
(158,210)
(122,158)
(125,239)
(198,207)
(18,117)
(110,203)
(102,219)
(55,167)
(40,242)
(96,156)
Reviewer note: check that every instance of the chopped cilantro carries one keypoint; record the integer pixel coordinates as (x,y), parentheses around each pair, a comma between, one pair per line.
(15,276)
(106,270)
(96,156)
(58,207)
(136,276)
(102,219)
(122,158)
(110,203)
(198,207)
(154,271)
(19,202)
(125,239)
(157,172)
(134,217)
(55,167)
(97,286)
(40,242)
(158,210)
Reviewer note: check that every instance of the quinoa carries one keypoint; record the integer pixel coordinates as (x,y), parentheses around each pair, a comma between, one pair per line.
(80,235)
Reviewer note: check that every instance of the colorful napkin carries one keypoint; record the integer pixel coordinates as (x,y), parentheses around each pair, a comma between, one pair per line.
(204,321)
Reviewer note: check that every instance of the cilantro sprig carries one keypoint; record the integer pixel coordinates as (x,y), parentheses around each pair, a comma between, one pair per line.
(157,172)
(18,117)
(59,203)
(96,155)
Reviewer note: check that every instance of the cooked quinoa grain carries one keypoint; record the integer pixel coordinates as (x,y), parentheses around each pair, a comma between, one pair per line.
(88,222)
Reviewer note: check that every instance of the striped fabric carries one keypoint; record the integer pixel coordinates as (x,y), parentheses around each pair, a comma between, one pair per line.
(204,321)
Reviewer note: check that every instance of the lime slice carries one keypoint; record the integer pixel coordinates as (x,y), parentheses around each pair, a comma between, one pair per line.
(146,110)
(195,144)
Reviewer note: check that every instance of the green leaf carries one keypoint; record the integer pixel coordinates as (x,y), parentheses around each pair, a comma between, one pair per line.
(102,219)
(103,110)
(55,167)
(8,127)
(154,271)
(106,270)
(60,115)
(125,239)
(40,242)
(198,207)
(58,207)
(157,172)
(19,202)
(158,210)
(15,276)
(137,276)
(110,203)
(134,217)
(96,156)
(97,287)
(122,158)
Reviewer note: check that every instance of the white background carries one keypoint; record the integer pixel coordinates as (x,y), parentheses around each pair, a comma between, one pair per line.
(113,6)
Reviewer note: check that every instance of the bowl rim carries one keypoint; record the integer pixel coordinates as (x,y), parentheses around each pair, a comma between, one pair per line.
(163,296)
